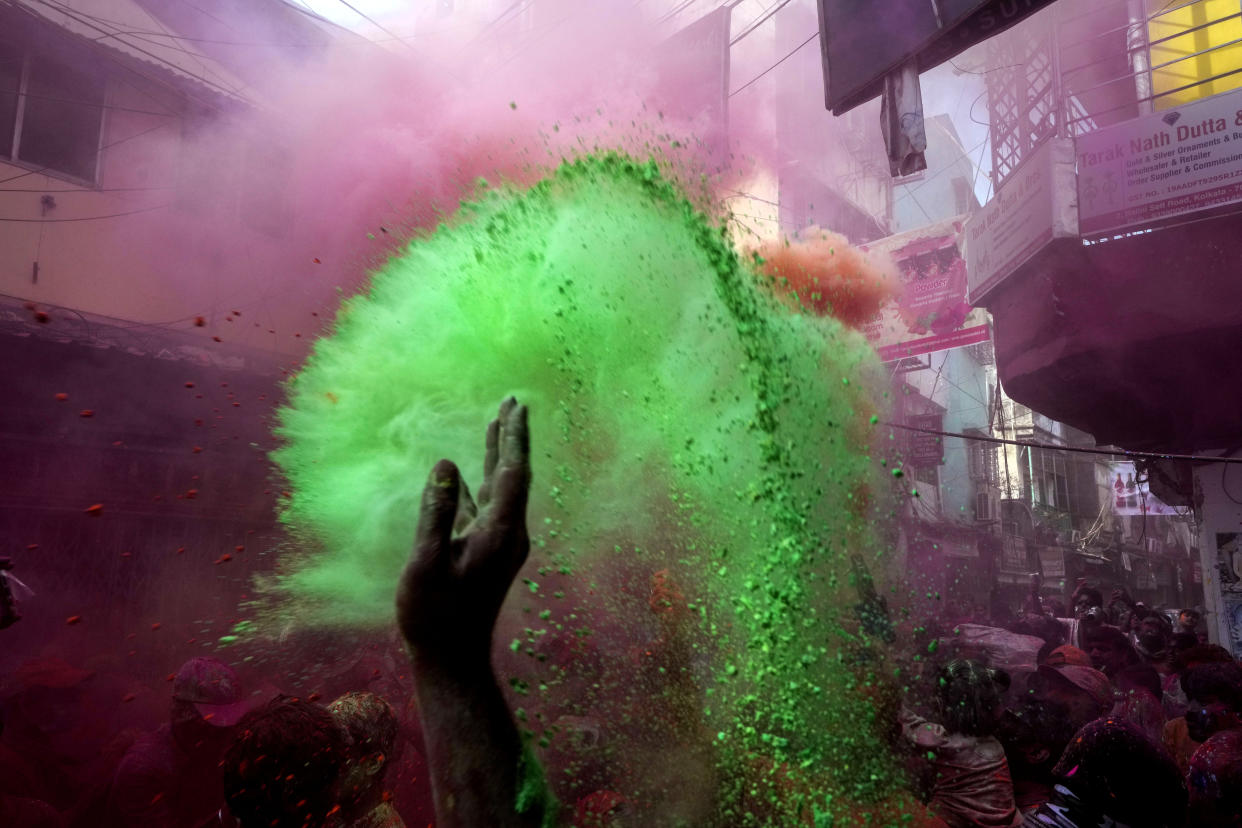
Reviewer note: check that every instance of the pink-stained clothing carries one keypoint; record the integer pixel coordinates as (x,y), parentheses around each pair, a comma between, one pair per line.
(1143,710)
(973,786)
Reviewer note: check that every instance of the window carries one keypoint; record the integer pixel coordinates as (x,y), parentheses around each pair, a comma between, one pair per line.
(51,113)
(983,506)
(1051,481)
(984,466)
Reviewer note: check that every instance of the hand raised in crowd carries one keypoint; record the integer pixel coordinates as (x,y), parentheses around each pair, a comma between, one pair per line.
(466,555)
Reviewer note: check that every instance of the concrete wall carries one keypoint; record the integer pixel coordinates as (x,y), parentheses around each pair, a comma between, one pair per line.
(1222,516)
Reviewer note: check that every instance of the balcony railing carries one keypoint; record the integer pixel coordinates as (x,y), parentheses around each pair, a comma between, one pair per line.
(1081,65)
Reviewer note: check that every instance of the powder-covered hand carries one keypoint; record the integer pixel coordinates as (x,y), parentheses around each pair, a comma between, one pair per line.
(466,556)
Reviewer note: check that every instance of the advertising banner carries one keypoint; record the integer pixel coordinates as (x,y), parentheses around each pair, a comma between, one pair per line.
(1161,165)
(1035,205)
(931,313)
(1130,497)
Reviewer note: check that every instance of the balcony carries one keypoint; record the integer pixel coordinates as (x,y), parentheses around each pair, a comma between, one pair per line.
(1126,320)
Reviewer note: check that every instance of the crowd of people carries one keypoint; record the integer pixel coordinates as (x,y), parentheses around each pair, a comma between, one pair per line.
(1108,716)
(1103,715)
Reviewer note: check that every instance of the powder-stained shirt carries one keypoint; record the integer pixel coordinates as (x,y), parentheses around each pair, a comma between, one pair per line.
(382,816)
(973,786)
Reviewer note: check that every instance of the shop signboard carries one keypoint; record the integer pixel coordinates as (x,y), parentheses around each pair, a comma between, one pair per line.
(1014,556)
(863,40)
(1165,164)
(931,312)
(925,449)
(1035,205)
(957,549)
(1052,562)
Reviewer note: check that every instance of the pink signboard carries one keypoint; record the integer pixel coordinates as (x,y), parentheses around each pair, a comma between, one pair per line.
(931,312)
(1161,165)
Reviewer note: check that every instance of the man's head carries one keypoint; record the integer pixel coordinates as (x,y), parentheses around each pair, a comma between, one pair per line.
(1123,775)
(372,726)
(1215,699)
(282,769)
(52,712)
(1035,734)
(1109,649)
(1154,633)
(1215,782)
(1188,619)
(970,696)
(1066,679)
(1086,599)
(207,701)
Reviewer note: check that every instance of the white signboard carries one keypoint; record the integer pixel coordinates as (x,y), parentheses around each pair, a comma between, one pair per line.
(1034,206)
(1161,165)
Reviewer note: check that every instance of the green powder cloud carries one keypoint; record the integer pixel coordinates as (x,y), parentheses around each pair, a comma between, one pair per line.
(678,414)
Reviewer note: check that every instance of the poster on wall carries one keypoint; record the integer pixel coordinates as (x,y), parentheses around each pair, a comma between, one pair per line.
(1131,494)
(1229,566)
(931,312)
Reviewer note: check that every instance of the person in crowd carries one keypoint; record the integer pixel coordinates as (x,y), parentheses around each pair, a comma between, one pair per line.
(1138,692)
(1111,774)
(372,726)
(1214,693)
(171,778)
(1192,656)
(1121,610)
(972,785)
(1109,649)
(1041,626)
(17,782)
(465,558)
(1182,641)
(60,725)
(1152,638)
(1034,734)
(1067,678)
(284,767)
(1215,782)
(1188,622)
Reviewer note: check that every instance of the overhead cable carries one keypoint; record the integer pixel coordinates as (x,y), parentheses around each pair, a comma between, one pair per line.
(1198,458)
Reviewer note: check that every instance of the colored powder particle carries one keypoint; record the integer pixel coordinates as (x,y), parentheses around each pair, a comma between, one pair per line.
(824,274)
(681,416)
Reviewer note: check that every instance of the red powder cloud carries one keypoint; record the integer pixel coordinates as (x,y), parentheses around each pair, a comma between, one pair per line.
(829,277)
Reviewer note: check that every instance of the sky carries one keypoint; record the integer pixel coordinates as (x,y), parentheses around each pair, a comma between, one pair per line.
(946,90)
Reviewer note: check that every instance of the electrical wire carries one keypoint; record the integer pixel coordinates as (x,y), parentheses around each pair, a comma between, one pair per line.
(86,218)
(101,149)
(763,18)
(676,11)
(1199,458)
(370,20)
(774,65)
(73,15)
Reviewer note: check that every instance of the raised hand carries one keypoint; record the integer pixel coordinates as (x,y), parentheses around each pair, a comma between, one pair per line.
(466,555)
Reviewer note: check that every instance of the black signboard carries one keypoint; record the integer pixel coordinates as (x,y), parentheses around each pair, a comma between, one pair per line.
(925,449)
(863,40)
